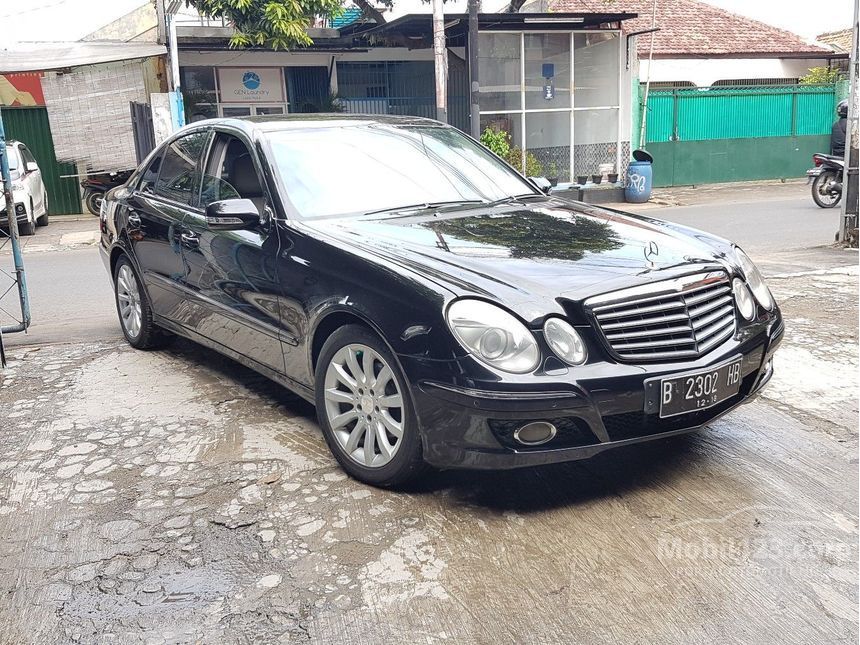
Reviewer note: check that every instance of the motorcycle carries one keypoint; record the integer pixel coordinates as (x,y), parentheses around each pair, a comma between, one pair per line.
(96,186)
(826,179)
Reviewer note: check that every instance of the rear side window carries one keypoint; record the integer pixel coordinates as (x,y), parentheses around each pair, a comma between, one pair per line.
(179,168)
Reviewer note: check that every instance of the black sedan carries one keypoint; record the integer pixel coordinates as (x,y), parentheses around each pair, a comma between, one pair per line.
(435,305)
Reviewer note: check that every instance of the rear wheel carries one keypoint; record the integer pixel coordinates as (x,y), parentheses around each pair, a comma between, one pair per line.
(821,193)
(135,313)
(94,202)
(365,410)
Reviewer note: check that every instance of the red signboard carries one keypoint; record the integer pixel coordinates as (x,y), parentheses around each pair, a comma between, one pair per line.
(24,88)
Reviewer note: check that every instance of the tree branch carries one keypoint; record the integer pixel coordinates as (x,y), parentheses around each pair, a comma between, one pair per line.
(370,11)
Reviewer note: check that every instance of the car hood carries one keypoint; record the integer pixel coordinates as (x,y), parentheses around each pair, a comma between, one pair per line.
(529,256)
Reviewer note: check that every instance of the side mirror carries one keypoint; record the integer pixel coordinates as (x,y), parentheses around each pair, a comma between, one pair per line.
(232,215)
(542,183)
(31,166)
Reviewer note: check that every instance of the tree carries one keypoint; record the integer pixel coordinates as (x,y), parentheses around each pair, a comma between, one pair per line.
(820,75)
(276,24)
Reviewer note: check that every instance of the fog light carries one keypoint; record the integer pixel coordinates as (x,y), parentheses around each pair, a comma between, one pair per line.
(20,209)
(743,299)
(535,433)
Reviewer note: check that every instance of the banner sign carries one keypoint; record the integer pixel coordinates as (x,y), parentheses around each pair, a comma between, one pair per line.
(251,84)
(24,88)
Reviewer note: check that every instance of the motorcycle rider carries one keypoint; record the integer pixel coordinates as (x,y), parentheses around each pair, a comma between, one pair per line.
(837,133)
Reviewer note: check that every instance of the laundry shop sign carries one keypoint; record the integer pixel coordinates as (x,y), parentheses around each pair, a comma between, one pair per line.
(251,84)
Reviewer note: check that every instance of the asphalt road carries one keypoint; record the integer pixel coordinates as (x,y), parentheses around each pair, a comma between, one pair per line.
(761,226)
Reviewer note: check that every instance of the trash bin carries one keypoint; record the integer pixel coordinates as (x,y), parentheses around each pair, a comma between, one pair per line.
(637,189)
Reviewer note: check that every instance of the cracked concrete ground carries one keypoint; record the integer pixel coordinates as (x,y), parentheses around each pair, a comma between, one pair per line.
(176,497)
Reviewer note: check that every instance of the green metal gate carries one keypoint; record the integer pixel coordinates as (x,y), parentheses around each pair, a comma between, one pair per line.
(30,126)
(737,133)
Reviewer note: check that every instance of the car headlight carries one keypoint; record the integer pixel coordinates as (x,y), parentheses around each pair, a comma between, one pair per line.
(755,280)
(17,185)
(565,341)
(493,336)
(743,299)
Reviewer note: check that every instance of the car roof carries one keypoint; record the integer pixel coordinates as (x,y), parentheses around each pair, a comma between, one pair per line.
(277,122)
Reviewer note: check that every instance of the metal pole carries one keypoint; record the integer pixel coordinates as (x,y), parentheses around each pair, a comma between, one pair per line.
(13,235)
(475,87)
(440,56)
(648,78)
(850,179)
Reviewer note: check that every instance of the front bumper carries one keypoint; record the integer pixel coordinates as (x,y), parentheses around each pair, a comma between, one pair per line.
(472,427)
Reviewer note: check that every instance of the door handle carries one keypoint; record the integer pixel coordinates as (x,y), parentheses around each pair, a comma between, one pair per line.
(190,240)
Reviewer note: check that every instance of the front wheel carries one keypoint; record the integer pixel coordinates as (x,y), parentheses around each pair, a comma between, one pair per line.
(94,202)
(821,193)
(365,410)
(28,227)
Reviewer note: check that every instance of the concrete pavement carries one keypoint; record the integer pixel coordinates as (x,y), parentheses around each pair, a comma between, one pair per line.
(176,497)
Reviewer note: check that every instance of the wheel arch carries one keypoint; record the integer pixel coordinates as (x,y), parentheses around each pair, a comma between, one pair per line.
(332,320)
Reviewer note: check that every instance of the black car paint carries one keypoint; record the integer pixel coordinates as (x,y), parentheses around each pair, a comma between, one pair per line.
(268,296)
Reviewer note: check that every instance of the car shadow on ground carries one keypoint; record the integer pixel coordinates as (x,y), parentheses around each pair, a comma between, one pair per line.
(524,490)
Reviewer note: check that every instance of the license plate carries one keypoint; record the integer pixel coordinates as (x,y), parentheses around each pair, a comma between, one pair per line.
(813,172)
(699,390)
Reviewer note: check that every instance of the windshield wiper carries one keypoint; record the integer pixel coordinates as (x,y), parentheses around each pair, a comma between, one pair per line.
(512,198)
(423,206)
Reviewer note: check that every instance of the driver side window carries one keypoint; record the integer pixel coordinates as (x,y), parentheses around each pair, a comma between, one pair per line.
(231,174)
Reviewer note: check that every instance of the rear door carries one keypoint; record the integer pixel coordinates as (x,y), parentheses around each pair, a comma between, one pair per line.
(164,197)
(232,273)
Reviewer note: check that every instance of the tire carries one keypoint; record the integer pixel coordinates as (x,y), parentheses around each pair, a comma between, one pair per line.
(28,227)
(43,220)
(350,413)
(824,201)
(94,202)
(133,309)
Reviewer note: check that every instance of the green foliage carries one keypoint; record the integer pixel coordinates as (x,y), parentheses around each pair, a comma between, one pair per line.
(275,24)
(533,166)
(496,141)
(821,75)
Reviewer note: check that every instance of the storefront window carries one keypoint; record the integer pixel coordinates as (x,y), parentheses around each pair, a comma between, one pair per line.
(500,73)
(595,140)
(528,90)
(548,137)
(547,66)
(595,69)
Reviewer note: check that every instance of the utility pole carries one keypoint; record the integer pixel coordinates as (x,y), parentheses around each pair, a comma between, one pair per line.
(440,56)
(474,85)
(850,179)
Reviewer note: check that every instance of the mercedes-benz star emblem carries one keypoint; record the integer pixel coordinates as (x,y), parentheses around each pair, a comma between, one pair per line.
(651,252)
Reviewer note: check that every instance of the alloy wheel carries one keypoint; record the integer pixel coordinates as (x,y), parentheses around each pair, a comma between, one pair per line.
(364,405)
(128,297)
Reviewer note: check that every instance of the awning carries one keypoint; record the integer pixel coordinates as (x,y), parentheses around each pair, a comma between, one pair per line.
(35,56)
(456,24)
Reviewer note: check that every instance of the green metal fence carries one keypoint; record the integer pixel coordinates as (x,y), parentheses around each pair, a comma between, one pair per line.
(30,126)
(734,133)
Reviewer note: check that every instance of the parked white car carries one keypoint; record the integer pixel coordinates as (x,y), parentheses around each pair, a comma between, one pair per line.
(28,189)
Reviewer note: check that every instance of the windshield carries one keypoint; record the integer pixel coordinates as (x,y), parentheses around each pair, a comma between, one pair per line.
(356,170)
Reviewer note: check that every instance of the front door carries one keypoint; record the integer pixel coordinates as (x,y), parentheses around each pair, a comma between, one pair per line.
(232,273)
(155,211)
(33,180)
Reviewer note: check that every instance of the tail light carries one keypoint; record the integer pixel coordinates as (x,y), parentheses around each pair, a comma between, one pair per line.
(817,160)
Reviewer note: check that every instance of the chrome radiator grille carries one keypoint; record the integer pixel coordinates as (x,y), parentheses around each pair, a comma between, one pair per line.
(667,320)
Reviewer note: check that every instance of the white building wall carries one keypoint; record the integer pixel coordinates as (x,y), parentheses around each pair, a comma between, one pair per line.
(707,71)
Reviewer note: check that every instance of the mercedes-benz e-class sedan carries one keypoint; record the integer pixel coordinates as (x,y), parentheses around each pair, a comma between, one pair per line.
(434,305)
